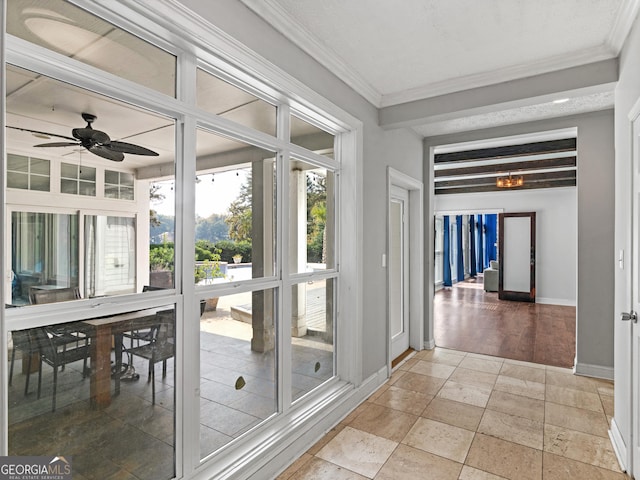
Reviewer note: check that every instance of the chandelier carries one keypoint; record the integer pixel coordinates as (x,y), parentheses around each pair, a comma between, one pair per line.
(510,181)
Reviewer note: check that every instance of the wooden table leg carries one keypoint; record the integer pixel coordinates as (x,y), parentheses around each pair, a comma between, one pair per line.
(101,367)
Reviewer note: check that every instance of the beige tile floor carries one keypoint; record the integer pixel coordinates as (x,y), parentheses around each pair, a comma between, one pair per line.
(449,415)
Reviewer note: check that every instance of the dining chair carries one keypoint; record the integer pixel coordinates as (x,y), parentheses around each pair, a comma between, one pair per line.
(57,355)
(160,348)
(21,340)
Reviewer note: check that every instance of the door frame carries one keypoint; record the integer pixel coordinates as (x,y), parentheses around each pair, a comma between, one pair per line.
(509,294)
(416,262)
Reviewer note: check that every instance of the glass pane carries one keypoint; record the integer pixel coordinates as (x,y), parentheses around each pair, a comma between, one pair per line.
(68,30)
(110,191)
(68,170)
(217,96)
(154,215)
(44,255)
(126,193)
(40,167)
(111,177)
(311,137)
(237,366)
(39,183)
(87,173)
(69,186)
(17,180)
(113,426)
(235,210)
(312,328)
(126,179)
(110,255)
(87,188)
(17,163)
(312,218)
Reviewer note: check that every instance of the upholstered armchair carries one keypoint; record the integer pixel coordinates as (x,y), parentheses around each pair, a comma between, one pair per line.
(491,277)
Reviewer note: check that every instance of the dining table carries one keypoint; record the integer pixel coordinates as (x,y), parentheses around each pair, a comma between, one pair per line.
(106,335)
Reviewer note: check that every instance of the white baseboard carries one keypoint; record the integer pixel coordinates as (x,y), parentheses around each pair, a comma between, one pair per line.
(430,344)
(596,371)
(619,447)
(556,301)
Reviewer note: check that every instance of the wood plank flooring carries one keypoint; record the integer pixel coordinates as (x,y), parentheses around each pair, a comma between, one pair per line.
(471,320)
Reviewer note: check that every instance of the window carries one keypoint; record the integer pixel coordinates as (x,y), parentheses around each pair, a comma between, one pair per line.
(77,180)
(118,185)
(247,267)
(28,173)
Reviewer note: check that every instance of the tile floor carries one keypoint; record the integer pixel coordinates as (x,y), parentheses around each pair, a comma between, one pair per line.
(450,415)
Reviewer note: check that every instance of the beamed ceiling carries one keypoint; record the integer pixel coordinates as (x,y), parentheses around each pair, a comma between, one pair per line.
(545,164)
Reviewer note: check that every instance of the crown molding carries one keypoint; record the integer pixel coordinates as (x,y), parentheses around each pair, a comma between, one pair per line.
(622,26)
(273,13)
(559,62)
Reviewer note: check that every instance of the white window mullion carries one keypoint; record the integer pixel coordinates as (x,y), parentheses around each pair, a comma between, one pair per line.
(284,330)
(187,326)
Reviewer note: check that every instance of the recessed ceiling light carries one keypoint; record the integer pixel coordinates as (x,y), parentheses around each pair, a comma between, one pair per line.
(561,100)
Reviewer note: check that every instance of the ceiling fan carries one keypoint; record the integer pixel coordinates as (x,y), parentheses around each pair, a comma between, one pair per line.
(95,141)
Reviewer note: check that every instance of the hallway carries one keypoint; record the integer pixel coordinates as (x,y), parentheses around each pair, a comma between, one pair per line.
(464,416)
(469,319)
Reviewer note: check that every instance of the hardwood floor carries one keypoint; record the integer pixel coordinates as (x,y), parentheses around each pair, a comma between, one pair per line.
(471,320)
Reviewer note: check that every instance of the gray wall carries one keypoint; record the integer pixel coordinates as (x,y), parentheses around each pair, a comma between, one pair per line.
(595,191)
(402,149)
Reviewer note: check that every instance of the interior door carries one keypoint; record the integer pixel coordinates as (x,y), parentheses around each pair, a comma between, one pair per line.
(399,271)
(517,256)
(635,296)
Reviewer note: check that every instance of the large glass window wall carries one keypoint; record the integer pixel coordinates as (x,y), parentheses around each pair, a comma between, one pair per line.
(179,246)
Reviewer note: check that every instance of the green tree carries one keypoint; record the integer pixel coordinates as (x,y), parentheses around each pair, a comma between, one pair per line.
(213,228)
(154,197)
(239,218)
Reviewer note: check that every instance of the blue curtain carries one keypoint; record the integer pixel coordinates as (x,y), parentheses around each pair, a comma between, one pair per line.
(480,258)
(472,245)
(446,254)
(490,238)
(460,262)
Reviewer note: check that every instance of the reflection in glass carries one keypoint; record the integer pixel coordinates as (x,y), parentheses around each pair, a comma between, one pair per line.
(217,96)
(44,253)
(312,332)
(312,218)
(73,182)
(64,28)
(107,423)
(311,137)
(110,255)
(237,366)
(235,210)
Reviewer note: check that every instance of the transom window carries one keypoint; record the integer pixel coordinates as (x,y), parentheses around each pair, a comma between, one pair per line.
(28,173)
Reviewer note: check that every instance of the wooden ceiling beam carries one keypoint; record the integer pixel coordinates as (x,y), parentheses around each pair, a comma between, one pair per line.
(493,188)
(513,167)
(549,146)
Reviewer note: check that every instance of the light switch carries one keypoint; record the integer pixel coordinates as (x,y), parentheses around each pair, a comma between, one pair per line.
(384,260)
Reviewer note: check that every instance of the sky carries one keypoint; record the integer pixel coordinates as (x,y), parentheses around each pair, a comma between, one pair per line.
(211,197)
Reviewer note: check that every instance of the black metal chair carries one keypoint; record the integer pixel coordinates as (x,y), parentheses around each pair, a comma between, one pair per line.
(57,355)
(21,340)
(160,348)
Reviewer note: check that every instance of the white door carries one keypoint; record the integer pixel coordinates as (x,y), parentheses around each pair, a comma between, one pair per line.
(635,295)
(399,271)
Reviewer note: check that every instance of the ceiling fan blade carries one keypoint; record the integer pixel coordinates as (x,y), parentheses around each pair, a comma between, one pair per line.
(90,134)
(48,134)
(125,147)
(105,152)
(58,144)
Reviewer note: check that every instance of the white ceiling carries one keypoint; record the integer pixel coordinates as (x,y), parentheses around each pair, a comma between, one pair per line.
(392,52)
